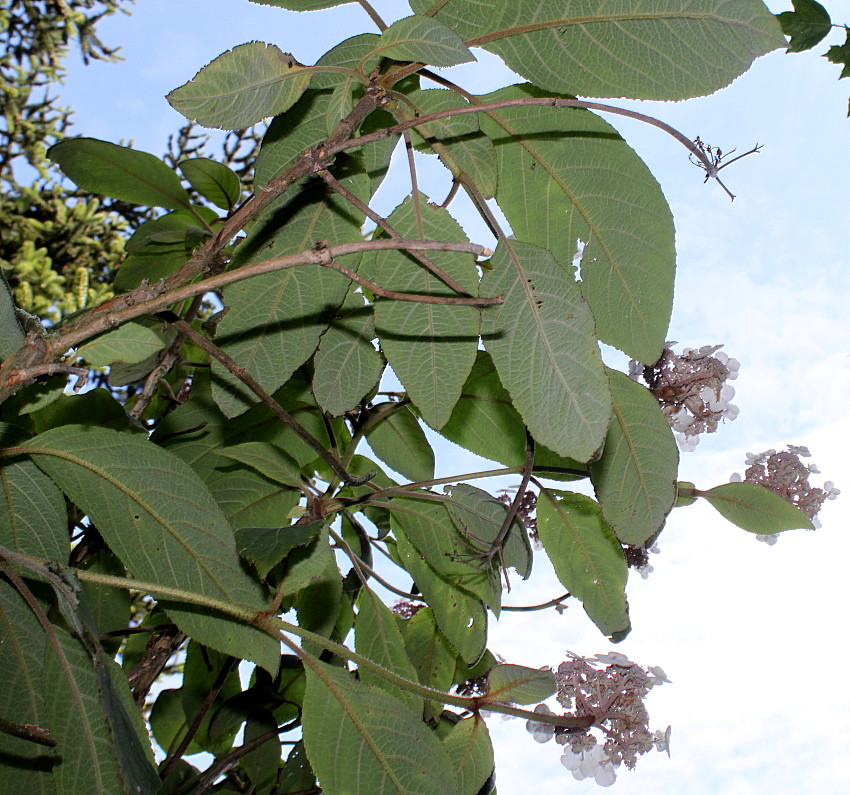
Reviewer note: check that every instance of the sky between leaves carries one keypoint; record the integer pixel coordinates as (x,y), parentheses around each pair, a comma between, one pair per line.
(750,635)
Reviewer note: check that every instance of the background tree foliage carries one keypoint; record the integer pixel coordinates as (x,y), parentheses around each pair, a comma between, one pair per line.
(218,478)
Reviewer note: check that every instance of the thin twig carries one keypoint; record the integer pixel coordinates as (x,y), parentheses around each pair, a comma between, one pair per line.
(528,608)
(246,378)
(32,734)
(374,16)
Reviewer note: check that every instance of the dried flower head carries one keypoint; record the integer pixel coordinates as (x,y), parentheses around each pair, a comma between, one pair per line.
(526,513)
(785,474)
(611,688)
(407,609)
(691,388)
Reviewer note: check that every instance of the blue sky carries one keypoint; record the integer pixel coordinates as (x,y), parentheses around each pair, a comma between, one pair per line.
(751,635)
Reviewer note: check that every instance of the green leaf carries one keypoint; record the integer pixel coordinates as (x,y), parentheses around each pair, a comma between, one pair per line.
(430,347)
(242,87)
(268,460)
(471,752)
(663,49)
(685,494)
(378,638)
(566,175)
(756,509)
(480,516)
(807,25)
(353,733)
(586,556)
(141,498)
(131,343)
(265,547)
(450,552)
(635,479)
(33,517)
(346,365)
(543,344)
(213,180)
(276,319)
(458,140)
(119,172)
(160,246)
(840,54)
(296,775)
(309,565)
(399,441)
(422,39)
(303,5)
(519,685)
(11,333)
(460,617)
(26,766)
(262,764)
(431,654)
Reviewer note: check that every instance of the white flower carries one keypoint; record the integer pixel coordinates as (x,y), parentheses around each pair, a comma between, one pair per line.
(687,443)
(731,412)
(768,538)
(658,675)
(605,775)
(655,549)
(542,732)
(735,477)
(799,450)
(645,571)
(661,740)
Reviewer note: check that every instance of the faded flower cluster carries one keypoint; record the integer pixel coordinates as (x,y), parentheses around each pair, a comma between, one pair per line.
(612,689)
(785,474)
(691,388)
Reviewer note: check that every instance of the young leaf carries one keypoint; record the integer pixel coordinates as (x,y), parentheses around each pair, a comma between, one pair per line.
(213,180)
(353,733)
(635,479)
(11,333)
(587,557)
(309,565)
(517,684)
(130,343)
(807,25)
(431,654)
(756,509)
(141,498)
(399,441)
(423,39)
(430,347)
(346,365)
(471,752)
(119,172)
(242,87)
(543,344)
(840,54)
(666,49)
(581,181)
(377,637)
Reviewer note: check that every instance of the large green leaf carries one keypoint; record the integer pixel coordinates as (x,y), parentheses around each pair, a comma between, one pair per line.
(268,460)
(586,556)
(119,172)
(480,515)
(353,733)
(520,685)
(754,508)
(430,347)
(659,49)
(471,752)
(451,553)
(26,766)
(11,333)
(33,517)
(242,87)
(635,479)
(807,25)
(275,320)
(399,441)
(431,654)
(346,365)
(130,343)
(422,39)
(543,344)
(158,517)
(460,617)
(249,499)
(265,547)
(464,149)
(566,175)
(378,638)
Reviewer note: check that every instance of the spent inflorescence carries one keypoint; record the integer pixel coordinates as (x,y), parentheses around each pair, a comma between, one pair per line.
(526,513)
(691,388)
(612,689)
(785,474)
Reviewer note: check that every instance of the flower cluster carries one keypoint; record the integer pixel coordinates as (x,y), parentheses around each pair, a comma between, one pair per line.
(407,609)
(691,388)
(526,513)
(611,688)
(785,474)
